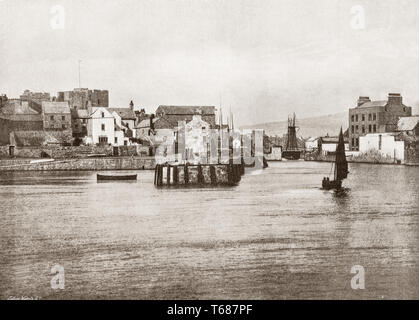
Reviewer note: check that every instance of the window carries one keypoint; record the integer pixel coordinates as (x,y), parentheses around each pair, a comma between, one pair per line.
(116,140)
(374,116)
(353,129)
(353,141)
(374,128)
(356,129)
(380,141)
(363,117)
(51,117)
(356,118)
(103,127)
(369,117)
(363,129)
(352,118)
(404,109)
(103,114)
(370,128)
(76,126)
(357,141)
(103,139)
(63,118)
(63,126)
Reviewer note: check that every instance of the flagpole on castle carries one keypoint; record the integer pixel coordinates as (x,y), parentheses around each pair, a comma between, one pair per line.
(79,74)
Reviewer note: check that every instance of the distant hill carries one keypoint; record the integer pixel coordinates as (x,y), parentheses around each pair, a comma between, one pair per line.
(308,127)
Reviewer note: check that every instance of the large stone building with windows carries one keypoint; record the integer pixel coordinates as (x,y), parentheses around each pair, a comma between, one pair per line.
(375,117)
(82,98)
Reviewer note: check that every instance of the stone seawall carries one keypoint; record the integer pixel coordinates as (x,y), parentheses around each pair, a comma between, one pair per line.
(87,164)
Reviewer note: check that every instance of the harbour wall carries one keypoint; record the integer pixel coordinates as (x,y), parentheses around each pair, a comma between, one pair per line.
(85,164)
(70,152)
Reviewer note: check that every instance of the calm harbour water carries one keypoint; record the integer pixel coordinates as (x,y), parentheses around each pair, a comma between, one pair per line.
(275,236)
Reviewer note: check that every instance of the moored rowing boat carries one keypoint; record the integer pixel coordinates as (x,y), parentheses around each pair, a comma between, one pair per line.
(103,177)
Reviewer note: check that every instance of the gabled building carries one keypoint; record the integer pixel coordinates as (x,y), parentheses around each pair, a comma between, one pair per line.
(56,115)
(375,117)
(101,127)
(169,116)
(408,127)
(128,119)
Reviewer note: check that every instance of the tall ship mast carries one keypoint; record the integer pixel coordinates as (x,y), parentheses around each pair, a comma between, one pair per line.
(292,151)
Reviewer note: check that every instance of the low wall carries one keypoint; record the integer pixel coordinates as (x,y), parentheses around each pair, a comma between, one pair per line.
(71,152)
(98,164)
(56,152)
(369,157)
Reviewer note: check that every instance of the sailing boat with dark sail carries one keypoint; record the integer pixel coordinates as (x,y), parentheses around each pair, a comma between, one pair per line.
(341,167)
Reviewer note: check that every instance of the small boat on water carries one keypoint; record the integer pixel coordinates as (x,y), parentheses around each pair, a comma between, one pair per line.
(110,177)
(41,161)
(341,167)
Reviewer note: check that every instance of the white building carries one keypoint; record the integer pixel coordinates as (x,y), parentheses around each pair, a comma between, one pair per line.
(312,144)
(120,137)
(100,127)
(105,127)
(275,154)
(383,143)
(328,145)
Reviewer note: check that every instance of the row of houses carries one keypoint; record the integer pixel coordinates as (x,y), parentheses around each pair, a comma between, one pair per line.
(394,144)
(83,117)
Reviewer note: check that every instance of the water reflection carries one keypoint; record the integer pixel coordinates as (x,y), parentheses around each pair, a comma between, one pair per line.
(275,235)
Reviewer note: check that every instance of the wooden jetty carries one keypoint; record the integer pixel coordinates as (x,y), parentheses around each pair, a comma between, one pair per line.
(184,175)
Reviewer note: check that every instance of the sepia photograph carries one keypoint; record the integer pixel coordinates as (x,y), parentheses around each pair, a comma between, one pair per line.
(209,150)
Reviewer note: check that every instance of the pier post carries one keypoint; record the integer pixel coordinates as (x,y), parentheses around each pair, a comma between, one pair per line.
(213,175)
(200,175)
(186,174)
(160,178)
(155,175)
(168,175)
(175,175)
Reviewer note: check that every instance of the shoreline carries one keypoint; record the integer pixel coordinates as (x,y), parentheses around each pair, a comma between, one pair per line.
(80,164)
(115,164)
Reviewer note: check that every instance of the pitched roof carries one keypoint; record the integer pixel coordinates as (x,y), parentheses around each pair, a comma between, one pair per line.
(146,123)
(17,107)
(22,117)
(407,123)
(94,110)
(124,113)
(372,104)
(186,110)
(50,107)
(32,138)
(332,140)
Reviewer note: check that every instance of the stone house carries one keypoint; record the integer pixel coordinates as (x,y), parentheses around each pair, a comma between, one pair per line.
(56,115)
(408,127)
(169,116)
(375,117)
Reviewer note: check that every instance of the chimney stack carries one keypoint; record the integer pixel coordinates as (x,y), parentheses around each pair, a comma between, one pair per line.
(395,99)
(362,100)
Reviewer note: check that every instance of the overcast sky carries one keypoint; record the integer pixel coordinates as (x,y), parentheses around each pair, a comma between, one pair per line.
(264,58)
